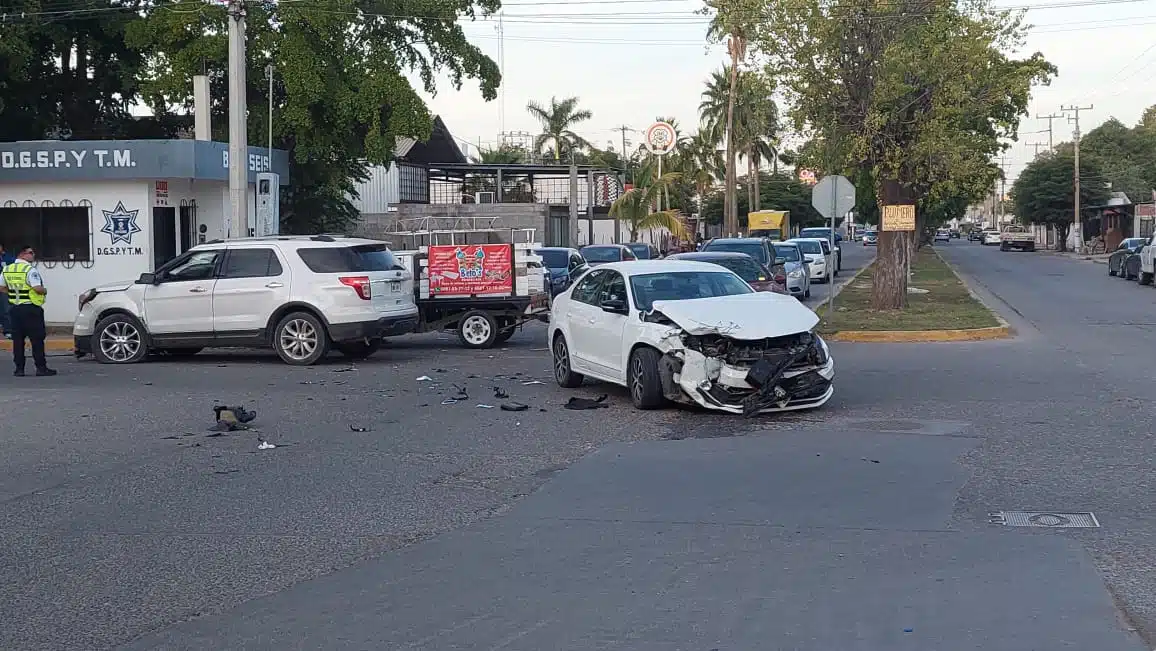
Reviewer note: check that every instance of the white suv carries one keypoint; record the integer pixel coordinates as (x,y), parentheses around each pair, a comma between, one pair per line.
(299,295)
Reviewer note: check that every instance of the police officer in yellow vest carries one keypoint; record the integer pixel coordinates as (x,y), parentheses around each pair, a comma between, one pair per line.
(25,289)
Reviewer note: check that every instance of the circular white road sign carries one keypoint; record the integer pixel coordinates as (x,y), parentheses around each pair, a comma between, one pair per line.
(660,138)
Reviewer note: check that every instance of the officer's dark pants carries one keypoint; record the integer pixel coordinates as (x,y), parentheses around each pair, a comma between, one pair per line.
(28,322)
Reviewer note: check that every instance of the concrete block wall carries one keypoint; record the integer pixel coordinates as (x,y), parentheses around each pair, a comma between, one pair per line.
(446,216)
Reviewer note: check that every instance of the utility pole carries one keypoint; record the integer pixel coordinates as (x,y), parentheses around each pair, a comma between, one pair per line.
(1049,118)
(1076,140)
(625,159)
(1037,146)
(237,221)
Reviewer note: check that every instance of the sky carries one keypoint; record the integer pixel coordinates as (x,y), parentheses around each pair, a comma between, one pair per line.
(630,61)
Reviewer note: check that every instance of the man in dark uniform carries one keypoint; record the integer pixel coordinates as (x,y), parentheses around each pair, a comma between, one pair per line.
(25,289)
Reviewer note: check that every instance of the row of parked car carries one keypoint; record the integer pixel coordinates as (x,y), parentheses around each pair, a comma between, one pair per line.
(1128,262)
(788,267)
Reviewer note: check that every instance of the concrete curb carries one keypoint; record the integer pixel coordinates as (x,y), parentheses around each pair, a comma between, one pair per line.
(52,345)
(1002,331)
(920,336)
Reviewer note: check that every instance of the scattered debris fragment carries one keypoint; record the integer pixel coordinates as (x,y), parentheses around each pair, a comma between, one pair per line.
(481,406)
(440,370)
(265,445)
(449,401)
(169,438)
(500,393)
(345,370)
(226,472)
(354,428)
(532,382)
(871,460)
(461,394)
(514,406)
(231,419)
(586,403)
(425,378)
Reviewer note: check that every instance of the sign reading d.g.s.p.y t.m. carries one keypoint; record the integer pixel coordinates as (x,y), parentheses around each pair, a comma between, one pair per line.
(102,160)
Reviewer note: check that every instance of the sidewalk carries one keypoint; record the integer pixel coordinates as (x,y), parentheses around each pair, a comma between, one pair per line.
(54,344)
(1099,258)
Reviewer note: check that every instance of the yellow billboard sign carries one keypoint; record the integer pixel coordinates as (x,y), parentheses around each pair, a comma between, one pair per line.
(898,218)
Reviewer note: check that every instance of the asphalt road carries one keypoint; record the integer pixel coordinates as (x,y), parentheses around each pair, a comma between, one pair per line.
(864,525)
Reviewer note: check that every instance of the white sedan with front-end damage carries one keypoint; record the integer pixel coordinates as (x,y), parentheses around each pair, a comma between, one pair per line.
(691,333)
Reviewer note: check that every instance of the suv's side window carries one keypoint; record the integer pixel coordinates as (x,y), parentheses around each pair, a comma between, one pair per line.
(196,265)
(251,263)
(587,289)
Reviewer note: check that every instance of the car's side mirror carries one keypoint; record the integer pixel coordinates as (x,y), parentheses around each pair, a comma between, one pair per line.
(148,279)
(614,305)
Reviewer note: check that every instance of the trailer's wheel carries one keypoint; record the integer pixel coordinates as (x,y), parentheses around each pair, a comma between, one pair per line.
(478,329)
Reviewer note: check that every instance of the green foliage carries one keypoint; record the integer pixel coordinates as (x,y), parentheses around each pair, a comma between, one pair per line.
(73,78)
(1126,157)
(340,96)
(635,208)
(925,101)
(558,121)
(503,155)
(776,192)
(1044,193)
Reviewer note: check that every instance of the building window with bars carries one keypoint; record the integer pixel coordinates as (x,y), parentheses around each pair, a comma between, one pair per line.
(412,183)
(58,234)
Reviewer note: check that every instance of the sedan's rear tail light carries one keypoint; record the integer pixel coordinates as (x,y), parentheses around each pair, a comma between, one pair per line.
(360,284)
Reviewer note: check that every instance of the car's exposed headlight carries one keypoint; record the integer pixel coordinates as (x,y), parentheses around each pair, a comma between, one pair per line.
(85,298)
(822,354)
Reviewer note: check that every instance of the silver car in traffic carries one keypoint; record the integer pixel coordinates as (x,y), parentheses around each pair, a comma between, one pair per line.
(797,269)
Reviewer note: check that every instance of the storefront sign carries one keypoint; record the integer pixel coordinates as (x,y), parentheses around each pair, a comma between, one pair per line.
(104,160)
(162,193)
(120,225)
(473,269)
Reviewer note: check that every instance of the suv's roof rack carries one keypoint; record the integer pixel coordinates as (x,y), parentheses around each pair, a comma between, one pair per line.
(214,242)
(322,238)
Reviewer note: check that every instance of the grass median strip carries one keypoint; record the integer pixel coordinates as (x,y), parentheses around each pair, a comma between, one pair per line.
(939,301)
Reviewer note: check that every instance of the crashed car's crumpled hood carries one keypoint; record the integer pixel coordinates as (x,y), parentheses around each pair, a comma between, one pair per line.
(760,315)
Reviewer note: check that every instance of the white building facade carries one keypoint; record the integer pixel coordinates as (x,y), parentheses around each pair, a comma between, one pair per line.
(99,212)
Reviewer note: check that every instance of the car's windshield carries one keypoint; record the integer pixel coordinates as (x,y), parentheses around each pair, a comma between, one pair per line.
(869,234)
(810,247)
(554,258)
(824,233)
(787,252)
(602,254)
(754,249)
(641,251)
(684,285)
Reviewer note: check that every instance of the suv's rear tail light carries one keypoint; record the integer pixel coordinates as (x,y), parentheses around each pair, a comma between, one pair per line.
(360,284)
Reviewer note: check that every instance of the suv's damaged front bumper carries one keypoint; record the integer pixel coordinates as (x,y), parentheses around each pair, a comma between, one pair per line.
(749,378)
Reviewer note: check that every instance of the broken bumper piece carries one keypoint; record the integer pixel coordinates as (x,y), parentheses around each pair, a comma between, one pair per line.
(744,378)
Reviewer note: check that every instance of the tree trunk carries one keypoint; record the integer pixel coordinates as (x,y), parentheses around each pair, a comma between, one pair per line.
(751,201)
(892,257)
(756,202)
(730,210)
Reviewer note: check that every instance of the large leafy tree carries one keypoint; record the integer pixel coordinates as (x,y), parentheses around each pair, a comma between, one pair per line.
(69,76)
(558,121)
(918,93)
(341,98)
(1045,192)
(1127,157)
(777,192)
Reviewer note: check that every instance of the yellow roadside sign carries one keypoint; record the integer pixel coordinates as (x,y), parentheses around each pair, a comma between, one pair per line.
(898,218)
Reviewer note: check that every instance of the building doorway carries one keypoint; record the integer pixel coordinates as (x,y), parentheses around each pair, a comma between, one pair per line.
(164,235)
(188,227)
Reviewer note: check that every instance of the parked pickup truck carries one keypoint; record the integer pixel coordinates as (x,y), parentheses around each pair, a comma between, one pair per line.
(1017,237)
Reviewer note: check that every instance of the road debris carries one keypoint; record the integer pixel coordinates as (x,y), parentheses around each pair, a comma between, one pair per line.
(587,403)
(514,406)
(231,419)
(425,378)
(532,382)
(265,445)
(500,393)
(481,406)
(461,394)
(354,428)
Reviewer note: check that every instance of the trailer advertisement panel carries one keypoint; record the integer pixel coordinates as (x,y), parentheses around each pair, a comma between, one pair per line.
(471,270)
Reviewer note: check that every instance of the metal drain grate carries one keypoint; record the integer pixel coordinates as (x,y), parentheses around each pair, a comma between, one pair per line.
(1045,519)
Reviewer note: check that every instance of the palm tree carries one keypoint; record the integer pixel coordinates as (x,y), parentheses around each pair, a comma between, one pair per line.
(557,126)
(635,207)
(753,121)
